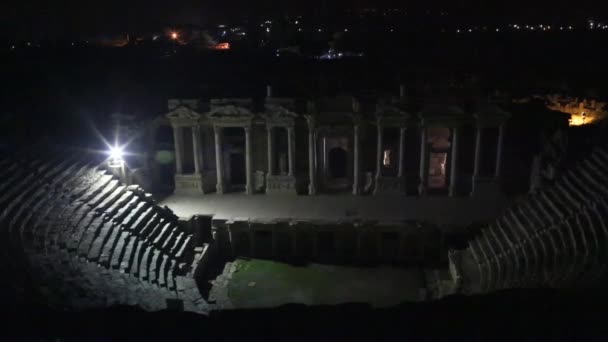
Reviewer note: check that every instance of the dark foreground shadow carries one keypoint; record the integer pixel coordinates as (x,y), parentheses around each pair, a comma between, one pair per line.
(541,314)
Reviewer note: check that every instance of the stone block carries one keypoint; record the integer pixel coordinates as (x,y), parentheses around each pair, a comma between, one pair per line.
(281,185)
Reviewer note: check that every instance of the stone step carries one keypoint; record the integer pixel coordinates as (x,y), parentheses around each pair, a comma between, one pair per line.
(158,230)
(89,236)
(590,179)
(142,220)
(116,194)
(96,187)
(134,214)
(137,257)
(565,195)
(105,193)
(108,248)
(162,237)
(167,244)
(602,155)
(546,201)
(173,247)
(145,261)
(601,213)
(118,251)
(150,226)
(162,272)
(184,247)
(128,255)
(170,276)
(79,231)
(536,205)
(588,226)
(124,211)
(153,267)
(90,184)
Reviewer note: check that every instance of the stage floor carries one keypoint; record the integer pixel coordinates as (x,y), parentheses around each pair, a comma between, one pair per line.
(443,211)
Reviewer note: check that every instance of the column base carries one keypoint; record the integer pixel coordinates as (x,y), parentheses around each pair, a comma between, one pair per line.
(201,183)
(389,186)
(312,189)
(283,185)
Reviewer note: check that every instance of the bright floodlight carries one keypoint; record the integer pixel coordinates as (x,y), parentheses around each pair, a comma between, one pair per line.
(116,153)
(173,35)
(115,159)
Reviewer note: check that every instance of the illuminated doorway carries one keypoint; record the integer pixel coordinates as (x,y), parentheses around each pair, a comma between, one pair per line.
(439,140)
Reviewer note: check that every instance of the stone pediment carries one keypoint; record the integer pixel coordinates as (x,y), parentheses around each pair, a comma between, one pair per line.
(278,115)
(183,115)
(231,116)
(391,115)
(388,110)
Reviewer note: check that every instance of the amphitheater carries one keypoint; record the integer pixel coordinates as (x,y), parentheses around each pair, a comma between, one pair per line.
(77,233)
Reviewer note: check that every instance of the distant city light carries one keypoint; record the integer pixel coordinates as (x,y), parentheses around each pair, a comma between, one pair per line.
(268,29)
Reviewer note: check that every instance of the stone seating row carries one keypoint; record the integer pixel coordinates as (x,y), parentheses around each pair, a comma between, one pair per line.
(556,237)
(67,205)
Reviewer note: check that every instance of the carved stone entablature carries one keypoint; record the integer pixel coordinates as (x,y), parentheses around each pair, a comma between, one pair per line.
(231,112)
(182,113)
(391,115)
(279,112)
(443,115)
(491,115)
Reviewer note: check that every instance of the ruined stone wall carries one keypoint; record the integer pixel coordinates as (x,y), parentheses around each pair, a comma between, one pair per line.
(345,241)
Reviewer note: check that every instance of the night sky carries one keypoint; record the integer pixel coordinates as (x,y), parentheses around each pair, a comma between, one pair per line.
(70,17)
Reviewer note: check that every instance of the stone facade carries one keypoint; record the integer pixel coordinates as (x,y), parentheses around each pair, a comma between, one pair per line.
(339,139)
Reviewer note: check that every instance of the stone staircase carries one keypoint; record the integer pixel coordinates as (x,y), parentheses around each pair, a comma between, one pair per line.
(556,237)
(82,239)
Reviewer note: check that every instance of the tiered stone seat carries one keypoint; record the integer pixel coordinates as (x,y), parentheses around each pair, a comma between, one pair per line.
(556,237)
(64,213)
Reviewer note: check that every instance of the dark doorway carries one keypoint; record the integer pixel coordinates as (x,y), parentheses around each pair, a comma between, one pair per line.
(237,169)
(338,159)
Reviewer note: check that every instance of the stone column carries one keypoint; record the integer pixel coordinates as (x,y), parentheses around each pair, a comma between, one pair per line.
(454,163)
(219,159)
(291,151)
(378,158)
(197,148)
(312,186)
(357,163)
(379,152)
(401,152)
(501,133)
(325,161)
(177,138)
(249,186)
(422,174)
(477,157)
(270,150)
